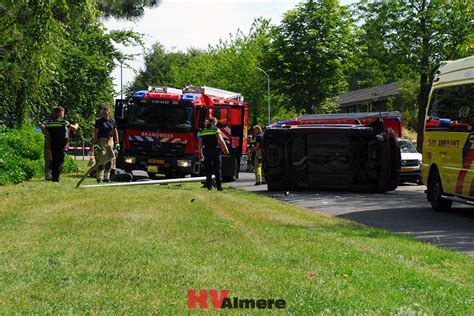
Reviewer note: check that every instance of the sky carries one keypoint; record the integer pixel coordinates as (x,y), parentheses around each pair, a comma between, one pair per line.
(182,24)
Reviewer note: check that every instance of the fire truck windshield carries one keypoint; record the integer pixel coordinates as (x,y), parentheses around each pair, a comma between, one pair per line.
(161,117)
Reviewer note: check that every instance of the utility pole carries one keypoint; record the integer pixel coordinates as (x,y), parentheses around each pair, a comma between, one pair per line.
(121,84)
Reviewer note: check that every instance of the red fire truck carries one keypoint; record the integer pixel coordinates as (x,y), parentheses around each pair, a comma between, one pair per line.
(159,127)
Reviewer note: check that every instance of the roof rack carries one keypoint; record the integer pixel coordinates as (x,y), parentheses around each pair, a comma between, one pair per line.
(214,92)
(160,89)
(356,115)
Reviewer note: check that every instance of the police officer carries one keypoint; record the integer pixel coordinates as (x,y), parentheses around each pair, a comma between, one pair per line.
(58,130)
(209,150)
(105,135)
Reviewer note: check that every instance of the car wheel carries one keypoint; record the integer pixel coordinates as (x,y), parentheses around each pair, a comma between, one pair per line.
(435,192)
(274,155)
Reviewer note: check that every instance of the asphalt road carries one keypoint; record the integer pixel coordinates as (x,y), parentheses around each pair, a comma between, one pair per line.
(404,211)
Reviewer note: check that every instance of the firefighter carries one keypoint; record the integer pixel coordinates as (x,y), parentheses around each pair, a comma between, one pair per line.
(259,178)
(209,150)
(105,136)
(58,130)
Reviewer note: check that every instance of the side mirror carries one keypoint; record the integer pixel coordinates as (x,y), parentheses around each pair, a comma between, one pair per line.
(120,109)
(202,117)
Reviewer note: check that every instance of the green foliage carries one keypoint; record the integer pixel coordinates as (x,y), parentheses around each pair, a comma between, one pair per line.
(58,53)
(310,52)
(126,9)
(328,106)
(21,154)
(230,65)
(70,165)
(408,40)
(157,72)
(408,104)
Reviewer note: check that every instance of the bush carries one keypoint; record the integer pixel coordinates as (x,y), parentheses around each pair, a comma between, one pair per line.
(70,165)
(21,154)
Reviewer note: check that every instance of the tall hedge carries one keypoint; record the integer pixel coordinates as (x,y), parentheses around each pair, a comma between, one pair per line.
(21,154)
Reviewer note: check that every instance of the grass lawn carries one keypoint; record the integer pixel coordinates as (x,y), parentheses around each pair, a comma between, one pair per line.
(139,250)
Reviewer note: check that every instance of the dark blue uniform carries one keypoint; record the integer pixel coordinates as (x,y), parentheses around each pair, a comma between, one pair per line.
(58,130)
(105,127)
(212,155)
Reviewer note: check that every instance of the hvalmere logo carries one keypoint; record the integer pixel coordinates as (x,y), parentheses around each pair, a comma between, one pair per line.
(200,299)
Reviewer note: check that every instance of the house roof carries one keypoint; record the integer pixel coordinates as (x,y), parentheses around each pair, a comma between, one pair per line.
(371,94)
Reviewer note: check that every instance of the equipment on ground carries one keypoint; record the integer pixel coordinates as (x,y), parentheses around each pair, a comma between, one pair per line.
(149,182)
(106,155)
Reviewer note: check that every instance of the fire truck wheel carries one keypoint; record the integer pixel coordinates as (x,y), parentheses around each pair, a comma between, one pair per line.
(435,192)
(235,174)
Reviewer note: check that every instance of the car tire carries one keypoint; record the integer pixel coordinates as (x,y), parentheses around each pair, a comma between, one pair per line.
(274,154)
(435,192)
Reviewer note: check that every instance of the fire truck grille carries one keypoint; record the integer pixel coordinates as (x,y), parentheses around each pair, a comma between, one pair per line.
(158,149)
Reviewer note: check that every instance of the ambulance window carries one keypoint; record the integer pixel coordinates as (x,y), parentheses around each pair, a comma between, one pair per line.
(221,116)
(452,108)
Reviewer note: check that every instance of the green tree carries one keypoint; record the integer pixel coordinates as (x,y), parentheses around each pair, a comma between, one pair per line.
(157,70)
(412,37)
(310,53)
(125,9)
(57,53)
(231,65)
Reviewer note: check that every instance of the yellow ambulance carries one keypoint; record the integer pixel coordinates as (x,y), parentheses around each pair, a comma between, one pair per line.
(448,151)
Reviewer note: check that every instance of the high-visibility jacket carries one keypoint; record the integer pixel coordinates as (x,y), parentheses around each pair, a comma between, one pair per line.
(209,137)
(58,130)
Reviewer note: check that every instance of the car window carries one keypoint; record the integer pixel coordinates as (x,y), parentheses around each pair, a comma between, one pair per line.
(406,147)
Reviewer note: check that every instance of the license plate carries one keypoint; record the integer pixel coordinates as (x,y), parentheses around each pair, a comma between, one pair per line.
(152,169)
(409,169)
(157,161)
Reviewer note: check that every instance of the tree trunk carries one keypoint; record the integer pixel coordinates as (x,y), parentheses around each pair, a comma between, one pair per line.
(21,111)
(422,104)
(424,78)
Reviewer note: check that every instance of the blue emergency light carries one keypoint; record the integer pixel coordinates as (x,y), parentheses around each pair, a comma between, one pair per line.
(140,94)
(191,96)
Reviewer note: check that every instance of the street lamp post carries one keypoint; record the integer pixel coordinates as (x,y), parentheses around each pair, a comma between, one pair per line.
(268,90)
(121,84)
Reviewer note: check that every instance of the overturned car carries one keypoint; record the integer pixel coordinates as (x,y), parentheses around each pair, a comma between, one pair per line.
(359,158)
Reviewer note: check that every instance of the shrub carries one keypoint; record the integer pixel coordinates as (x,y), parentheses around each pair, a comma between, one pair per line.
(21,154)
(70,165)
